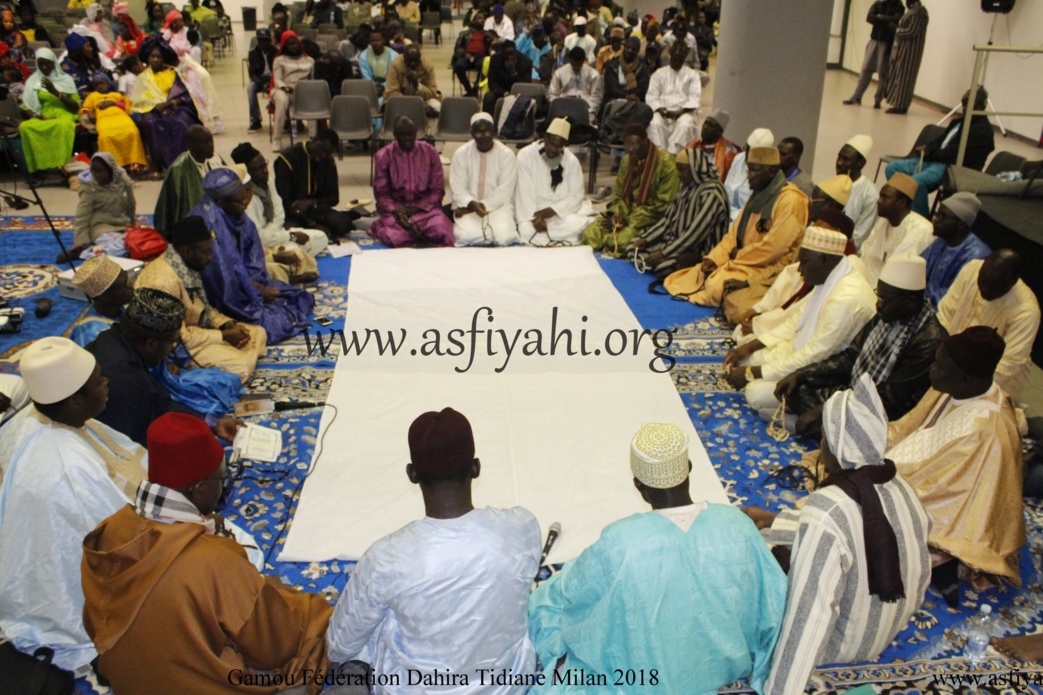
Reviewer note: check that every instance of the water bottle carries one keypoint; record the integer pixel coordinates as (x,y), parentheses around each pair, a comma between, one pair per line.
(979,634)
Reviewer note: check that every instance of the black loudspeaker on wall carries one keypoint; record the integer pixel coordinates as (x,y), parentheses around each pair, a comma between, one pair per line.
(997,6)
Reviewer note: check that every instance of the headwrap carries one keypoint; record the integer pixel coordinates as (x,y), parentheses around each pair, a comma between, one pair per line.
(94,13)
(55,368)
(976,351)
(171,17)
(904,184)
(221,183)
(136,34)
(61,80)
(155,310)
(286,36)
(74,42)
(96,275)
(244,153)
(181,450)
(659,455)
(102,76)
(855,426)
(441,445)
(190,230)
(119,8)
(116,183)
(648,170)
(905,272)
(837,187)
(154,41)
(964,205)
(824,241)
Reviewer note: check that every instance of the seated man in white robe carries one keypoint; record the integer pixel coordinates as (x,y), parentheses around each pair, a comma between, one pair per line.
(861,203)
(840,304)
(549,204)
(673,93)
(960,450)
(482,181)
(856,549)
(577,79)
(444,596)
(63,473)
(898,230)
(992,293)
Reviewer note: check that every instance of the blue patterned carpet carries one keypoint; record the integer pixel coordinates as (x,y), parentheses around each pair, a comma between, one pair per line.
(263,496)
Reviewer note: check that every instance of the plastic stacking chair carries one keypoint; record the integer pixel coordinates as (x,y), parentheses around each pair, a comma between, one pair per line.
(529,131)
(365,88)
(351,120)
(454,120)
(929,132)
(329,40)
(432,21)
(311,101)
(399,106)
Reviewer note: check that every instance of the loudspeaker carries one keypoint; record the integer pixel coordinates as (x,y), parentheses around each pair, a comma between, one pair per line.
(997,6)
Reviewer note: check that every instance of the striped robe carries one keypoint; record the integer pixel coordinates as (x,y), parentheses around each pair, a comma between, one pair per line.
(830,615)
(905,57)
(695,222)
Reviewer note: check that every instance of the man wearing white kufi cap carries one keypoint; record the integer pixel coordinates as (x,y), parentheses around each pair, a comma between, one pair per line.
(840,304)
(674,91)
(896,348)
(661,586)
(736,183)
(861,202)
(858,558)
(63,473)
(482,181)
(548,203)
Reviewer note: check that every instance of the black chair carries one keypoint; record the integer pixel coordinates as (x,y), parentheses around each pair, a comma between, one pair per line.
(929,132)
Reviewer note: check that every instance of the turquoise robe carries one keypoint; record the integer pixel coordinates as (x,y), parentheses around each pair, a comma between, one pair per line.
(702,609)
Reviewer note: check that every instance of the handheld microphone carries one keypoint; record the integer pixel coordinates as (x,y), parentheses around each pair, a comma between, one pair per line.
(552,535)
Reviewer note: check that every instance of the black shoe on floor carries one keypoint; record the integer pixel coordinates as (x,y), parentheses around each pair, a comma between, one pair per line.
(851,102)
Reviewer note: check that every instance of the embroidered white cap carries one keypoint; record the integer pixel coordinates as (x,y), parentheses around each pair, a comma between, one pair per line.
(55,368)
(659,455)
(905,271)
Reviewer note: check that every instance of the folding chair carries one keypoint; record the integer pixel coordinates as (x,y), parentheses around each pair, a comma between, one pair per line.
(311,102)
(365,88)
(399,106)
(454,120)
(351,120)
(432,21)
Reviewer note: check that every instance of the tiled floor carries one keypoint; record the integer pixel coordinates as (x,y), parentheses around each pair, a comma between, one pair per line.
(892,134)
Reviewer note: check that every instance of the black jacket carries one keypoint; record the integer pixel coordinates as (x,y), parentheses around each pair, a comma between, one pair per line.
(500,81)
(882,15)
(980,143)
(135,397)
(259,62)
(614,89)
(909,379)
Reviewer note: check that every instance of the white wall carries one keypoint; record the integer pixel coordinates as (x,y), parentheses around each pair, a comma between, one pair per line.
(1014,83)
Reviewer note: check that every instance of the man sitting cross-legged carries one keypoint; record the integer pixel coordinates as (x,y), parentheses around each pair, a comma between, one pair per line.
(482,182)
(444,595)
(960,450)
(856,549)
(645,186)
(840,304)
(896,348)
(687,594)
(409,184)
(211,338)
(171,601)
(954,245)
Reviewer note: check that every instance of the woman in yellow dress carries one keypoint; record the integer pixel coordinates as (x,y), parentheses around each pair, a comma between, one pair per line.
(117,134)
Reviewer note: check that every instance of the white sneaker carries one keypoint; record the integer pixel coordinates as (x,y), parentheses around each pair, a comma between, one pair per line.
(219,126)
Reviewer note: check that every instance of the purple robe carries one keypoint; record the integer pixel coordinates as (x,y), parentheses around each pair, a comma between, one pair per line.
(164,136)
(239,262)
(413,179)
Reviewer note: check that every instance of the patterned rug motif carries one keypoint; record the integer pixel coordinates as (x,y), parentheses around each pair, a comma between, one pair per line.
(754,468)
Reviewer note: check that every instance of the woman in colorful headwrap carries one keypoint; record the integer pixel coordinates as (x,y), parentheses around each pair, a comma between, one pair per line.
(162,103)
(51,103)
(81,61)
(694,222)
(645,186)
(291,65)
(106,202)
(176,33)
(10,35)
(130,37)
(110,112)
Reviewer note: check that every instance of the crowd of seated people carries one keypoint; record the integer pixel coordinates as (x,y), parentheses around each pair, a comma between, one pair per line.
(894,341)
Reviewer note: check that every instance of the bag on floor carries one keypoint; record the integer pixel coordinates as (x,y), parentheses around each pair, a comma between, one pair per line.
(144,243)
(33,675)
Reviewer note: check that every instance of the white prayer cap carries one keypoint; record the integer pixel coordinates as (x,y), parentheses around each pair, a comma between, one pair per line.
(824,241)
(863,144)
(906,272)
(579,20)
(761,137)
(659,455)
(964,205)
(855,425)
(96,275)
(619,22)
(559,127)
(55,368)
(481,116)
